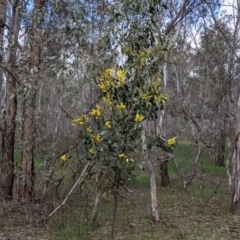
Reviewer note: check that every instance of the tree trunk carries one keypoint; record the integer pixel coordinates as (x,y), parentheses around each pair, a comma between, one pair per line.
(8,139)
(164,173)
(115,196)
(96,207)
(9,109)
(211,154)
(221,149)
(3,4)
(236,165)
(153,188)
(26,185)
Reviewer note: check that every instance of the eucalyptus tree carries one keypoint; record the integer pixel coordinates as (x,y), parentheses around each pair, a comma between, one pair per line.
(2,27)
(26,181)
(231,114)
(182,62)
(174,20)
(9,109)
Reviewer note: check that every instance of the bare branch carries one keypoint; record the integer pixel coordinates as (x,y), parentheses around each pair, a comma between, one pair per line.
(70,192)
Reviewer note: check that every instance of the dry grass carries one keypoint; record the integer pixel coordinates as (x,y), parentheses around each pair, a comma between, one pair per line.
(20,221)
(183,215)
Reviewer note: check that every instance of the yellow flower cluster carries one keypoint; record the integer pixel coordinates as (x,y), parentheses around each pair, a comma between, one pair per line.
(122,155)
(108,124)
(121,106)
(105,80)
(121,76)
(89,129)
(111,78)
(161,98)
(138,117)
(171,141)
(155,86)
(63,158)
(92,151)
(96,112)
(96,138)
(108,101)
(146,96)
(144,55)
(81,120)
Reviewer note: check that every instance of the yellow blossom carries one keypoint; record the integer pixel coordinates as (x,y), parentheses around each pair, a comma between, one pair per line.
(121,75)
(107,74)
(81,120)
(171,141)
(102,87)
(63,158)
(121,155)
(92,151)
(138,117)
(96,138)
(144,55)
(121,106)
(155,86)
(161,98)
(127,160)
(108,124)
(89,129)
(96,112)
(146,96)
(107,101)
(105,81)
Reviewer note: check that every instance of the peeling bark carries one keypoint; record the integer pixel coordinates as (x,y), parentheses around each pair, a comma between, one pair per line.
(9,109)
(26,183)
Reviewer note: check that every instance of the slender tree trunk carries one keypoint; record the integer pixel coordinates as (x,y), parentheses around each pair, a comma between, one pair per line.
(221,149)
(8,139)
(153,188)
(97,197)
(164,173)
(10,108)
(3,4)
(26,185)
(236,172)
(96,206)
(211,154)
(115,196)
(236,162)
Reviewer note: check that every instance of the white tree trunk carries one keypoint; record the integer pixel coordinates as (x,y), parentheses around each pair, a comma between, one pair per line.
(236,163)
(153,188)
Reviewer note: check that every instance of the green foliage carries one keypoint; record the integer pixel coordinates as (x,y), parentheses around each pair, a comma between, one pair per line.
(130,93)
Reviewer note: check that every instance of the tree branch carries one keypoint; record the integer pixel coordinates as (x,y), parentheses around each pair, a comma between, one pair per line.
(12,74)
(70,192)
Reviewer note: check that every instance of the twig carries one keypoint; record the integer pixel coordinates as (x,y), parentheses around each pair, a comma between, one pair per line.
(129,190)
(13,75)
(52,165)
(70,192)
(215,191)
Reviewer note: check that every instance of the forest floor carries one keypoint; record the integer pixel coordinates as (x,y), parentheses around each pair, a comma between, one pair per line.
(203,213)
(199,214)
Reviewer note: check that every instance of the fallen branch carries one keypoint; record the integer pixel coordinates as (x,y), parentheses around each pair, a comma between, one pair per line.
(70,192)
(52,165)
(215,191)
